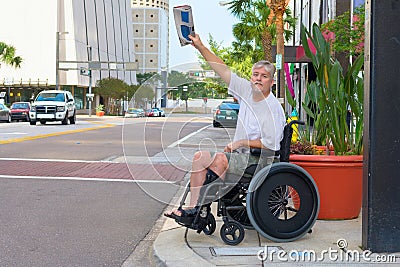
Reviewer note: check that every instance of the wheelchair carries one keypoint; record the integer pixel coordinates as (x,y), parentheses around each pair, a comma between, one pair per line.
(280,201)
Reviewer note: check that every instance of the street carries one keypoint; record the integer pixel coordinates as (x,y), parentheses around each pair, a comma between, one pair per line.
(84,194)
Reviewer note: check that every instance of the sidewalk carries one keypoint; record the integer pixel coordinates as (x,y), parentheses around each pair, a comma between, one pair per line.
(177,246)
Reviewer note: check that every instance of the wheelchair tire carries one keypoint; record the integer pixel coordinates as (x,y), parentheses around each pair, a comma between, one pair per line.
(232,233)
(211,225)
(282,202)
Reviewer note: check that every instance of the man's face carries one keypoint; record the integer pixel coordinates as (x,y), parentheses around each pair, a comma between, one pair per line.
(262,79)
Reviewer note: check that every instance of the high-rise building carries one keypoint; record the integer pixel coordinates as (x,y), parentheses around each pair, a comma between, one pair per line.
(49,31)
(150,31)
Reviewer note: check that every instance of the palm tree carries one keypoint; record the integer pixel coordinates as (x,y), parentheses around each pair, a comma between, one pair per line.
(258,17)
(247,31)
(278,8)
(7,55)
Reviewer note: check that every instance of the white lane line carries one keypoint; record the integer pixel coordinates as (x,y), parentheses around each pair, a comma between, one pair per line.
(57,160)
(187,137)
(85,179)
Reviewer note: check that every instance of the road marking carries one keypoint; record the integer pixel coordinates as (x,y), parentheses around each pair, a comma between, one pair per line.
(59,160)
(16,133)
(29,138)
(176,143)
(86,179)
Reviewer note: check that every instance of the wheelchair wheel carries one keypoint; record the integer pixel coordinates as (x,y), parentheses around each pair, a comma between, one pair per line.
(232,233)
(282,202)
(211,225)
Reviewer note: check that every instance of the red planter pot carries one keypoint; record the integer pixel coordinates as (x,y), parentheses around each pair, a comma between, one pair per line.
(339,182)
(100,113)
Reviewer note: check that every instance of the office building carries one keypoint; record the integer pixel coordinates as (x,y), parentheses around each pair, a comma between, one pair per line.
(150,31)
(49,31)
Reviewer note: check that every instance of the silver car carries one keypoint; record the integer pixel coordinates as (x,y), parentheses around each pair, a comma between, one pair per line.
(5,113)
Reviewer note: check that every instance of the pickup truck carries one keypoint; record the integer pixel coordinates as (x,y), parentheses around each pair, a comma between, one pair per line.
(53,105)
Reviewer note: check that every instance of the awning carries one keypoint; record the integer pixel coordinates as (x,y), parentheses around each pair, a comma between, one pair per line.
(291,54)
(301,54)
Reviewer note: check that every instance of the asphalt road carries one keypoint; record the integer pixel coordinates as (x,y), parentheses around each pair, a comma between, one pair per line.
(72,223)
(53,222)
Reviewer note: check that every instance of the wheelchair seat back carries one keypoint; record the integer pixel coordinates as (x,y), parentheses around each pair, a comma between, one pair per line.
(284,152)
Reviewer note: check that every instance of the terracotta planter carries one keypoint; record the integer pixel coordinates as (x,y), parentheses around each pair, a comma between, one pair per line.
(339,182)
(100,113)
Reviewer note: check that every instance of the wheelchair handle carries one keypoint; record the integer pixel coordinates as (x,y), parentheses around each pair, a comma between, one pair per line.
(296,122)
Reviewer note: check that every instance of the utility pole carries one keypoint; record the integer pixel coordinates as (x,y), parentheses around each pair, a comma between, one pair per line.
(58,58)
(90,80)
(185,93)
(164,87)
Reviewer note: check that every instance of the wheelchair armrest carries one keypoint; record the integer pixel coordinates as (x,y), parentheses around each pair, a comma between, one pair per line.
(264,152)
(255,151)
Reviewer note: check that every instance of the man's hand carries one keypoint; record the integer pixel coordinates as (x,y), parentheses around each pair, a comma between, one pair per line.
(243,143)
(196,42)
(233,146)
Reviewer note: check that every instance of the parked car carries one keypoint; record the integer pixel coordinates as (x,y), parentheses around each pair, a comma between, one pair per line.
(226,114)
(20,111)
(53,105)
(134,113)
(161,112)
(155,112)
(142,113)
(5,114)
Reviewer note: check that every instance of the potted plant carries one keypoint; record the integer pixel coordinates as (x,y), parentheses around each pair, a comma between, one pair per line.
(334,101)
(100,110)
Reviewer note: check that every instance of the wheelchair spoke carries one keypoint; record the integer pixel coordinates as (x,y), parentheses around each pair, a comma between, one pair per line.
(292,209)
(284,202)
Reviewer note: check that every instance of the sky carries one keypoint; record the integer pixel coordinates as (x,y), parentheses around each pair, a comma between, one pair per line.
(208,17)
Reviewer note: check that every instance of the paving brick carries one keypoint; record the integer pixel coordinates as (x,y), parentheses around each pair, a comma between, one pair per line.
(106,170)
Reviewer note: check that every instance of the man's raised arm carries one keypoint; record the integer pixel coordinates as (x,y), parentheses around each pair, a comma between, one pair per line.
(215,62)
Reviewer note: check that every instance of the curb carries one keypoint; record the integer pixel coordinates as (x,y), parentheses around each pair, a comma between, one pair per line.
(171,247)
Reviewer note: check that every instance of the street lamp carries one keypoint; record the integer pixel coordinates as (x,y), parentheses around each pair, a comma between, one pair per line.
(58,58)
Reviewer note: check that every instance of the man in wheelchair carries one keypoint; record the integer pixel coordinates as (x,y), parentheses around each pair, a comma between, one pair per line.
(260,125)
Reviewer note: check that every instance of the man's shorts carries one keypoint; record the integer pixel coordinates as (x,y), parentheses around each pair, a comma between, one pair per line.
(238,162)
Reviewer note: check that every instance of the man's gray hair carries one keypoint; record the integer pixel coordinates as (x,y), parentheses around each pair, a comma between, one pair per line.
(268,66)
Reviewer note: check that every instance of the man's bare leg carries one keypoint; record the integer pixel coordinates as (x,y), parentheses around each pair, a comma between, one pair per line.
(202,161)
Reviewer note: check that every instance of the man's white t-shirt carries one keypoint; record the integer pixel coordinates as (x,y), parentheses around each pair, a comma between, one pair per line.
(262,120)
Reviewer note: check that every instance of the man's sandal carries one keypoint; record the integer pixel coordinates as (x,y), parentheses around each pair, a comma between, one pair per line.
(186,217)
